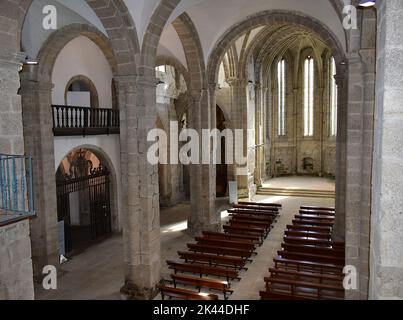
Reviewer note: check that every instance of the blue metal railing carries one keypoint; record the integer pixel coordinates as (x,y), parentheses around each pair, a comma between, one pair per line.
(16,188)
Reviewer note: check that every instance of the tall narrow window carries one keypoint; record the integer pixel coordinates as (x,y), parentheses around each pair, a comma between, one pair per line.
(308,96)
(281,97)
(333,99)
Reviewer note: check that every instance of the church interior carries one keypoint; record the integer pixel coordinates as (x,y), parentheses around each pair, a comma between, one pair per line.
(313,211)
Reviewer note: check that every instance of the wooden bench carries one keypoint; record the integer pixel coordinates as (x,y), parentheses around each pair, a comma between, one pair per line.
(303,288)
(264,295)
(316,242)
(262,204)
(256,208)
(211,259)
(304,248)
(235,237)
(252,217)
(244,254)
(308,234)
(252,213)
(318,258)
(315,217)
(267,225)
(312,222)
(300,275)
(202,269)
(199,283)
(226,244)
(318,208)
(184,294)
(298,265)
(240,229)
(318,213)
(304,227)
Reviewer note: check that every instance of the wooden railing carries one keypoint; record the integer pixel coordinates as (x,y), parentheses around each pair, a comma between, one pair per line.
(72,121)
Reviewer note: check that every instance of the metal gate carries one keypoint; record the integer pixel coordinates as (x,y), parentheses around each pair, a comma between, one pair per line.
(97,186)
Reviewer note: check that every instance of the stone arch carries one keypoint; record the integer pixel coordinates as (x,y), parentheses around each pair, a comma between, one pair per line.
(114,195)
(265,18)
(60,38)
(93,90)
(193,51)
(173,62)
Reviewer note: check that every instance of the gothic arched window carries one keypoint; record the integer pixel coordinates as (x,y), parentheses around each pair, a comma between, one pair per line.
(281,97)
(333,99)
(308,96)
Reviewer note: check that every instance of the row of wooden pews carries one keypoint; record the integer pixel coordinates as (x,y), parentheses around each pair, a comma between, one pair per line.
(310,265)
(217,258)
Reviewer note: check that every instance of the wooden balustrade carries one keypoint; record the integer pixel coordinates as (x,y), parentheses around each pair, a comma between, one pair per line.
(72,121)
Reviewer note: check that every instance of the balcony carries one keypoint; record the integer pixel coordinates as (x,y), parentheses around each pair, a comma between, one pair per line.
(83,121)
(16,189)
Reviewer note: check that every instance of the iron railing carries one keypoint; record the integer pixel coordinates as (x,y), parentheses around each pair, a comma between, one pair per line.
(73,120)
(16,187)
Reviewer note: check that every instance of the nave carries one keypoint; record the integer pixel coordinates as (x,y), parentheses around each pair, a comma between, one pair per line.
(96,273)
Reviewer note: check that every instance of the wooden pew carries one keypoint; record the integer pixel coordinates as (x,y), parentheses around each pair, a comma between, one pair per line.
(314,217)
(264,295)
(244,254)
(301,275)
(316,242)
(303,248)
(267,225)
(202,269)
(256,208)
(243,230)
(252,212)
(303,227)
(226,243)
(236,237)
(301,256)
(298,265)
(308,234)
(318,208)
(251,217)
(262,204)
(184,294)
(218,285)
(305,289)
(312,222)
(211,259)
(318,213)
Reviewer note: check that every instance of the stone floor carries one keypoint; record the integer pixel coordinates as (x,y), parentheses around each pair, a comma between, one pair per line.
(301,182)
(97,273)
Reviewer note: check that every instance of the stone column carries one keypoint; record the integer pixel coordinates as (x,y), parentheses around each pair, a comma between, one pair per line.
(386,255)
(141,224)
(340,202)
(203,216)
(39,143)
(258,177)
(238,112)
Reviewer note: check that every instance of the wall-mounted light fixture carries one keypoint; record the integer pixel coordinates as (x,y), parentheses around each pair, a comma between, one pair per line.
(367,3)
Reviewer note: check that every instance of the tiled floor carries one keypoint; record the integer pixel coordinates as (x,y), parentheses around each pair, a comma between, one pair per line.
(97,273)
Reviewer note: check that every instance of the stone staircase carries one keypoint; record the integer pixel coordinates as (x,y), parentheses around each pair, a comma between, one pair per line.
(291,192)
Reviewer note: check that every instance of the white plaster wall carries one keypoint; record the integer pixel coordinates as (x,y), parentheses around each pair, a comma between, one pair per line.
(110,145)
(68,12)
(81,56)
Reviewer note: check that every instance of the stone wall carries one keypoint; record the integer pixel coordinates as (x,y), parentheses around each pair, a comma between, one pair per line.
(16,276)
(386,254)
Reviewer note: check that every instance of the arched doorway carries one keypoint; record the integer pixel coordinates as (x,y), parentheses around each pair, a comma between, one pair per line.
(83,200)
(221,169)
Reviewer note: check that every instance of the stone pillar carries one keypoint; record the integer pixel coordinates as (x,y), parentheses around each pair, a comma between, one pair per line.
(259,171)
(39,143)
(203,216)
(141,221)
(340,202)
(386,256)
